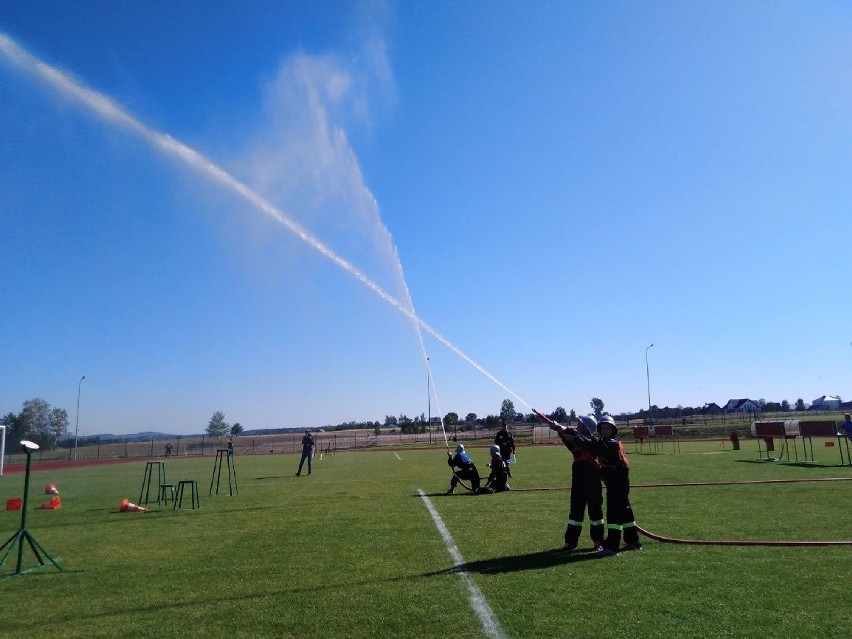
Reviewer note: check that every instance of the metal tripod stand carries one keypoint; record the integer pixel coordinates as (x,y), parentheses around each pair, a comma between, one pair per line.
(23,534)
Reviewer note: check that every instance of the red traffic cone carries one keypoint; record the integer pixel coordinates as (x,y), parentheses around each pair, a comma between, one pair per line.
(129,507)
(53,504)
(51,489)
(13,504)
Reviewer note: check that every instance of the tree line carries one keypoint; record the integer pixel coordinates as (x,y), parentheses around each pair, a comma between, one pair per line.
(38,422)
(46,425)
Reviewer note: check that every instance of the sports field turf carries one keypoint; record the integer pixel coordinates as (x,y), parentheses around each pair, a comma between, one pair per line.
(352,551)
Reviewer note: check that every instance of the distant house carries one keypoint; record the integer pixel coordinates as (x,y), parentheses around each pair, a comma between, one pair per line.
(711,409)
(826,402)
(741,406)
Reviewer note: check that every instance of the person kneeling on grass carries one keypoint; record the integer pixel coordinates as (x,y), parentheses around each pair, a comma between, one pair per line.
(466,470)
(498,478)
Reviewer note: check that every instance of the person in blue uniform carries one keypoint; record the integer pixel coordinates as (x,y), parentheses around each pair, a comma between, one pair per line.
(463,468)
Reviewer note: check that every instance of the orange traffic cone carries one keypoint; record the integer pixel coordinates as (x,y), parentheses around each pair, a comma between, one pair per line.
(53,504)
(51,489)
(129,507)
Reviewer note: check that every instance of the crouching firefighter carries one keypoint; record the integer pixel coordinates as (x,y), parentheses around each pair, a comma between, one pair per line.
(466,470)
(616,475)
(498,478)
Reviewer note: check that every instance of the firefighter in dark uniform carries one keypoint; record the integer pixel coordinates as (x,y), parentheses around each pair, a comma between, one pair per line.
(586,491)
(466,470)
(498,478)
(505,441)
(616,475)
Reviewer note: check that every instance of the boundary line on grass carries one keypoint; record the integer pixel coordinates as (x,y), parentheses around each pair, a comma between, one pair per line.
(397,456)
(487,620)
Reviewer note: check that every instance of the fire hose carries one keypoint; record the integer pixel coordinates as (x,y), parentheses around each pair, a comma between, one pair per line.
(729,542)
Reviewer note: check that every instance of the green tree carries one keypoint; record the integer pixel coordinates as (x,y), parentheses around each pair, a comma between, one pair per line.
(236,429)
(58,422)
(800,404)
(597,407)
(492,421)
(507,411)
(572,417)
(559,415)
(785,406)
(390,420)
(217,425)
(451,419)
(36,422)
(12,423)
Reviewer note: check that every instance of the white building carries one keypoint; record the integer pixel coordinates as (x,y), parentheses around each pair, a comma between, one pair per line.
(826,402)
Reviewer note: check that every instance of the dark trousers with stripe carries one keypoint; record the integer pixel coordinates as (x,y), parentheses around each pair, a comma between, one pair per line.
(619,513)
(585,493)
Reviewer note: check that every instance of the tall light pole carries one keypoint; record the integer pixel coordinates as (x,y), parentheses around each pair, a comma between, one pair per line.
(648,379)
(77,421)
(428,401)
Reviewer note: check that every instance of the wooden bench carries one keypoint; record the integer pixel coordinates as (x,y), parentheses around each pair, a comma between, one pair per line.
(640,434)
(664,431)
(828,430)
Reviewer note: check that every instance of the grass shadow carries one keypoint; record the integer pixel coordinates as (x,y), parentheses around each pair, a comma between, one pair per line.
(446,494)
(516,563)
(804,464)
(781,462)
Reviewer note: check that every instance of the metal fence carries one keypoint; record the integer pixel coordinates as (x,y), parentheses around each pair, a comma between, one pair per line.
(685,428)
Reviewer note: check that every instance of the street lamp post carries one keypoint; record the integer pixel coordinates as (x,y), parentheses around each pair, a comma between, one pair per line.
(648,380)
(77,421)
(428,401)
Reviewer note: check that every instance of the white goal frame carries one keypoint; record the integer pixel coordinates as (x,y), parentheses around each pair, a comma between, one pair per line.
(2,447)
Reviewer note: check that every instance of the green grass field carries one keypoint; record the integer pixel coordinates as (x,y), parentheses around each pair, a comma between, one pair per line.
(352,551)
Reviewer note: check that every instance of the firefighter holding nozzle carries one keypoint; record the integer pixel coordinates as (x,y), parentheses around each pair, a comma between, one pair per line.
(586,491)
(466,470)
(609,452)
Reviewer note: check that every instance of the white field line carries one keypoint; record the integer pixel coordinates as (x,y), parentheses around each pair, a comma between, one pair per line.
(398,457)
(490,626)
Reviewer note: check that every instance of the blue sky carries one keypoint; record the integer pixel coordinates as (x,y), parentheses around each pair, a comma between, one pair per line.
(562,183)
